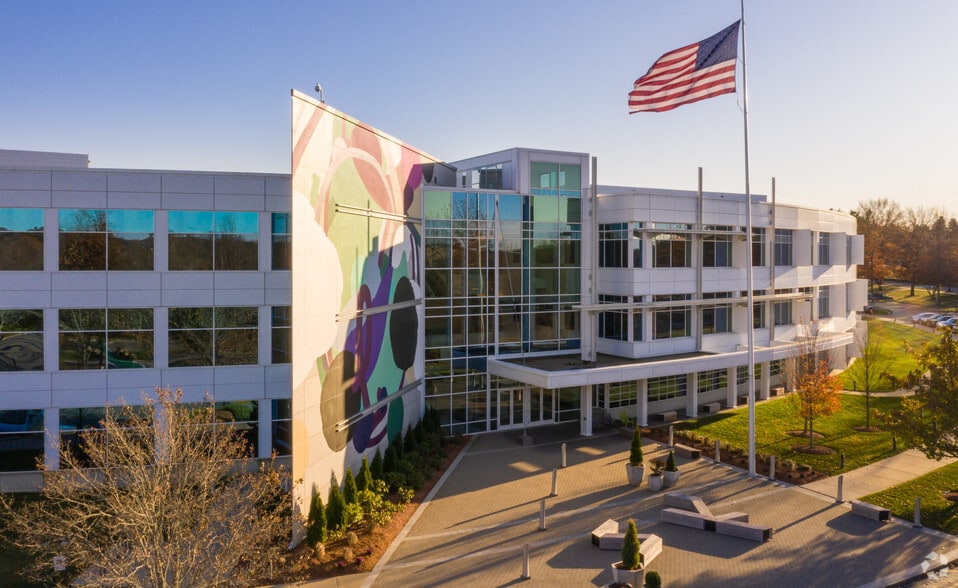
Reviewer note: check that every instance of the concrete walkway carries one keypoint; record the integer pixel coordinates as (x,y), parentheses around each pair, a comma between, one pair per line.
(472,530)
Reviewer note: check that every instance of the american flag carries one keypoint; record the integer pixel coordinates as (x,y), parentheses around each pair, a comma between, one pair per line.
(689,74)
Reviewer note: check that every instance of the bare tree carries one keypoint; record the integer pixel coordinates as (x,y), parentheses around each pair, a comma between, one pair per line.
(871,367)
(171,498)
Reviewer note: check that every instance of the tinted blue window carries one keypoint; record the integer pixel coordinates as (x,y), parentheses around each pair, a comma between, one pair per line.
(190,221)
(237,222)
(130,221)
(21,219)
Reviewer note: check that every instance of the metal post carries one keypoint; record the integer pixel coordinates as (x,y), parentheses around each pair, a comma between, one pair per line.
(894,443)
(525,561)
(842,466)
(718,451)
(771,467)
(542,514)
(841,482)
(563,455)
(555,482)
(671,436)
(917,524)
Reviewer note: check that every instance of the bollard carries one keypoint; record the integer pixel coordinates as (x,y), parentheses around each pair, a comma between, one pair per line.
(841,483)
(718,451)
(671,436)
(525,561)
(771,467)
(917,524)
(555,483)
(542,515)
(563,455)
(842,466)
(894,443)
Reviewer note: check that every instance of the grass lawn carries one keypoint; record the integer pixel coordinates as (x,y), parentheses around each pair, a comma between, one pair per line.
(949,300)
(896,336)
(775,417)
(936,511)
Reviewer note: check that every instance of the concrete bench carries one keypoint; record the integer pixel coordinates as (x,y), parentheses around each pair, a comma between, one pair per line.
(742,400)
(743,530)
(686,451)
(666,416)
(686,518)
(871,511)
(711,407)
(607,537)
(687,502)
(777,391)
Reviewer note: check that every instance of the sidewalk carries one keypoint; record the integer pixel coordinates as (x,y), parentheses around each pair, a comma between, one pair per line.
(473,529)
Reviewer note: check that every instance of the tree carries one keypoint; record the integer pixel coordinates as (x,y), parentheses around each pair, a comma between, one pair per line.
(335,508)
(816,390)
(316,521)
(871,367)
(170,498)
(364,481)
(878,222)
(936,395)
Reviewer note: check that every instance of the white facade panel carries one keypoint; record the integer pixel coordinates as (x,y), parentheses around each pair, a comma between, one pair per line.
(78,199)
(135,182)
(187,201)
(81,181)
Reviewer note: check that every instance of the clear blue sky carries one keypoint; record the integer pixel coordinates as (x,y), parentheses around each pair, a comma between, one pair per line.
(848,100)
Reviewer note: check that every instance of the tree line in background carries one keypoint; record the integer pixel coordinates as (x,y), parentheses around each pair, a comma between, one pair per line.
(916,245)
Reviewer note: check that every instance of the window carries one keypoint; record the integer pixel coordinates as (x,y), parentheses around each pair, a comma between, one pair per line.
(672,322)
(712,380)
(622,394)
(203,240)
(117,240)
(667,387)
(282,427)
(637,245)
(21,239)
(614,324)
(243,418)
(783,247)
(204,336)
(614,245)
(281,241)
(671,250)
(75,423)
(21,340)
(554,179)
(758,315)
(783,313)
(717,251)
(97,338)
(21,439)
(823,310)
(823,244)
(758,248)
(716,319)
(741,374)
(637,334)
(776,367)
(282,334)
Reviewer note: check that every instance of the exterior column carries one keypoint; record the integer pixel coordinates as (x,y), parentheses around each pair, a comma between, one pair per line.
(731,388)
(765,384)
(643,403)
(585,408)
(692,395)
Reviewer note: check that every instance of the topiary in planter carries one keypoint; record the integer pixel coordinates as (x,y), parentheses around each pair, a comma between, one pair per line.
(631,558)
(670,463)
(635,451)
(653,580)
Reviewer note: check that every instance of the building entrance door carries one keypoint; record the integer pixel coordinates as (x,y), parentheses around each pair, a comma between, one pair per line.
(519,407)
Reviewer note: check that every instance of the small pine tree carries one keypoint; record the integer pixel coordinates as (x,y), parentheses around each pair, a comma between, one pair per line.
(635,451)
(350,491)
(390,459)
(653,580)
(364,481)
(397,444)
(335,507)
(316,521)
(410,445)
(631,557)
(670,463)
(377,466)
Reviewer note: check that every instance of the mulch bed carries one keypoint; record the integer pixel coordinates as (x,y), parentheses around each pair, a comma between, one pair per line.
(739,458)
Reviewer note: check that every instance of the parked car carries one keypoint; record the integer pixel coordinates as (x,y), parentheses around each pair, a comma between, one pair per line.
(948,323)
(922,316)
(932,321)
(878,297)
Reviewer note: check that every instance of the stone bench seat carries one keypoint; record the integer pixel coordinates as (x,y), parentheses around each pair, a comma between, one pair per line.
(607,537)
(711,407)
(743,530)
(871,511)
(691,511)
(666,416)
(686,451)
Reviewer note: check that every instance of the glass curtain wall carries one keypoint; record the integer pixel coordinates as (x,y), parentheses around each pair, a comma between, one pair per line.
(501,276)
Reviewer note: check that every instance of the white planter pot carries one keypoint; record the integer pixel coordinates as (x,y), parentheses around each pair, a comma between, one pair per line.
(635,474)
(670,478)
(655,482)
(634,577)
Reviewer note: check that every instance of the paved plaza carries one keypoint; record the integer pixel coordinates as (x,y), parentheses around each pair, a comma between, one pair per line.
(473,529)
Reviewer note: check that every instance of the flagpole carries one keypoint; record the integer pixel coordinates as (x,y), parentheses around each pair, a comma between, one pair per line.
(748,272)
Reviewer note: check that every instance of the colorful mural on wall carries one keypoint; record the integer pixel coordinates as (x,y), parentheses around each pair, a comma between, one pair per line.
(357,246)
